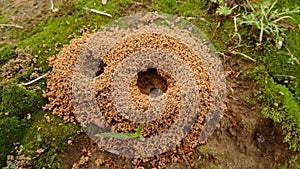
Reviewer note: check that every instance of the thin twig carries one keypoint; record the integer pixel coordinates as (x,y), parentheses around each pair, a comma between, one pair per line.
(34,80)
(242,54)
(11,25)
(223,54)
(292,77)
(199,18)
(237,53)
(291,55)
(261,30)
(52,4)
(186,161)
(98,12)
(235,25)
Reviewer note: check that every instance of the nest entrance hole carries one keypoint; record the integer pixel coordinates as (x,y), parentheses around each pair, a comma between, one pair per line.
(149,81)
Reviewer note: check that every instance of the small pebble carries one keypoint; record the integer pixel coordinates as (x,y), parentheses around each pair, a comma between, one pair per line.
(259,137)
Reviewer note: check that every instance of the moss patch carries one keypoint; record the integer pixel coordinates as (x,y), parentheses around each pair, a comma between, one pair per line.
(277,73)
(11,130)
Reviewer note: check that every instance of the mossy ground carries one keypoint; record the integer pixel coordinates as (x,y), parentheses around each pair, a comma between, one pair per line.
(275,70)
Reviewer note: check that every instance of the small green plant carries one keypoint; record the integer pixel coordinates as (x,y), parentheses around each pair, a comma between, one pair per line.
(223,9)
(267,19)
(137,134)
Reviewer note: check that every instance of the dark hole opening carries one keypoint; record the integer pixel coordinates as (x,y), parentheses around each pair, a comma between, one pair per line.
(100,69)
(150,81)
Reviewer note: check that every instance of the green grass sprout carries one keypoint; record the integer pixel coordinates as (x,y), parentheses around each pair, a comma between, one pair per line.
(223,9)
(137,134)
(266,19)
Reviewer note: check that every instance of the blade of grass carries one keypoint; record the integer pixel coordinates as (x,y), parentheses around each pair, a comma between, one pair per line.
(137,134)
(272,6)
(281,18)
(242,54)
(139,129)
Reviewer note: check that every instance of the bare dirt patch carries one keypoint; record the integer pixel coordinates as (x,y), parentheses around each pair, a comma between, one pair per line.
(30,13)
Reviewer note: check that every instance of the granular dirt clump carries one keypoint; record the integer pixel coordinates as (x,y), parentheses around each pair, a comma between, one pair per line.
(18,65)
(17,161)
(77,61)
(172,106)
(59,80)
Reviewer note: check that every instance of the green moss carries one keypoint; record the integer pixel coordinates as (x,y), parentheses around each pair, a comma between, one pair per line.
(25,76)
(49,159)
(53,32)
(53,135)
(222,34)
(7,52)
(190,8)
(293,163)
(11,130)
(168,6)
(47,38)
(57,132)
(18,101)
(279,78)
(280,100)
(2,18)
(249,101)
(280,106)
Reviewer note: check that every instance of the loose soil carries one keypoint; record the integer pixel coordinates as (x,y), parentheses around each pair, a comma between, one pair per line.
(244,139)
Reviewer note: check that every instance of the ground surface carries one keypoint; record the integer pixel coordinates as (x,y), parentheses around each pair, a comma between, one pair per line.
(244,138)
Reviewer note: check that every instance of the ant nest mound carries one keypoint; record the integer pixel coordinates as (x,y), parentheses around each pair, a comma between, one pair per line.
(87,72)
